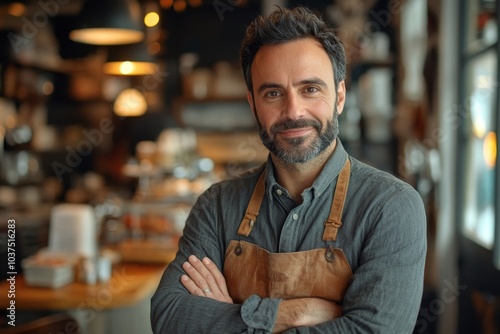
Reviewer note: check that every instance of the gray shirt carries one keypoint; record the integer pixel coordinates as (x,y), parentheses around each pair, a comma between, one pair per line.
(383,237)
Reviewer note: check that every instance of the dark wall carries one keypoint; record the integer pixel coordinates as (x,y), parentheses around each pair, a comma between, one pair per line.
(214,33)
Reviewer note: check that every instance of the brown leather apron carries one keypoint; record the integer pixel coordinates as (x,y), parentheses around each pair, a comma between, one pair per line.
(323,272)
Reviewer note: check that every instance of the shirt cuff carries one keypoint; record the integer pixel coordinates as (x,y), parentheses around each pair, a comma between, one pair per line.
(260,314)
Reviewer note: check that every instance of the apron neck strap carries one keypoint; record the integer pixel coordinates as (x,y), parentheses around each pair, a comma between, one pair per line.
(253,206)
(333,222)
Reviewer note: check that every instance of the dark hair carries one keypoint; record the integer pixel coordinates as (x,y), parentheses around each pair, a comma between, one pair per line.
(284,25)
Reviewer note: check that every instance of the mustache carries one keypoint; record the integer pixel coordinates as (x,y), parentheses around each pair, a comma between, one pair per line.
(295,124)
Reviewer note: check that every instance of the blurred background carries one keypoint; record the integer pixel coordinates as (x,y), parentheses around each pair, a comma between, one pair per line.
(134,122)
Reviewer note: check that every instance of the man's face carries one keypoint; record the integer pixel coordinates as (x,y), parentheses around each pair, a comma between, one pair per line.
(294,99)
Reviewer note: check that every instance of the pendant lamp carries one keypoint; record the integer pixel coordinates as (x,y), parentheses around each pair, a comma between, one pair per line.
(130,103)
(130,59)
(108,22)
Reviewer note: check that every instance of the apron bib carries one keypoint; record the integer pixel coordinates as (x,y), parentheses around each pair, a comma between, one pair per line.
(322,272)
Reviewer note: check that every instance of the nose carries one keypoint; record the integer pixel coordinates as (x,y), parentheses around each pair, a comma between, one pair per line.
(294,107)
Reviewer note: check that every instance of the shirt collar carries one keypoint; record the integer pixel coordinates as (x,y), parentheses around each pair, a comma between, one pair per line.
(329,173)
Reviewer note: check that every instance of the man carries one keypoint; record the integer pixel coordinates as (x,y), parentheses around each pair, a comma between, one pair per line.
(314,241)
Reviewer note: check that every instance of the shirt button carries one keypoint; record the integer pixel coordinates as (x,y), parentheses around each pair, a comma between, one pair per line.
(295,216)
(279,192)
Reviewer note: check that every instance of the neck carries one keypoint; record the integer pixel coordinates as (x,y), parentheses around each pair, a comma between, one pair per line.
(295,178)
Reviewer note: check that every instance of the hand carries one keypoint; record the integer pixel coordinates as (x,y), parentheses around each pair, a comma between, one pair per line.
(305,312)
(205,279)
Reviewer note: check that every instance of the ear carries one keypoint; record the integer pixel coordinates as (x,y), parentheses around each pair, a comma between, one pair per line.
(341,97)
(250,100)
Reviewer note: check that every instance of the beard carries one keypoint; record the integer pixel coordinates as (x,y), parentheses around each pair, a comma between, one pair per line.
(298,150)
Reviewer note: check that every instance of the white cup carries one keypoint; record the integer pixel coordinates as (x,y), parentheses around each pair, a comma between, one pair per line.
(104,269)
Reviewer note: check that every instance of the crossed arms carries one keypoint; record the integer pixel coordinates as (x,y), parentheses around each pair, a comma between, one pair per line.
(204,279)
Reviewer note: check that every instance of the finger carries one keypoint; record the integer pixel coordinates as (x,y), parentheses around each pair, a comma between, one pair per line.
(205,280)
(203,276)
(199,283)
(190,286)
(219,278)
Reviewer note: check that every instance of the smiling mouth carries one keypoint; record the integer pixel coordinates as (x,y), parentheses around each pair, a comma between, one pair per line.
(294,129)
(296,132)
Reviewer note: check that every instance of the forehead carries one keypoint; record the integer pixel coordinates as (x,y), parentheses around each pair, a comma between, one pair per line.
(294,60)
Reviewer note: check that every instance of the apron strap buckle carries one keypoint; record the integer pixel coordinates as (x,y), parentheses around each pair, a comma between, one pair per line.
(331,229)
(245,229)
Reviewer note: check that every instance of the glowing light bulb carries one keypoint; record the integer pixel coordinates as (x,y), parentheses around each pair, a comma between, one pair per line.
(126,67)
(151,19)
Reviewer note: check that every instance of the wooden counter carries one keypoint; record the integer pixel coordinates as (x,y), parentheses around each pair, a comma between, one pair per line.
(130,283)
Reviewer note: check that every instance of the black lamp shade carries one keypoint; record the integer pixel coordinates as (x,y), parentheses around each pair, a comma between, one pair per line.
(109,22)
(130,59)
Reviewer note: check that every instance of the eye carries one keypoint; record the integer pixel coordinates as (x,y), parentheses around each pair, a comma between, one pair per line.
(311,89)
(272,93)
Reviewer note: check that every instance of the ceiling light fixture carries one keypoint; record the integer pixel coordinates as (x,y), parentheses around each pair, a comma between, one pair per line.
(132,59)
(109,22)
(130,103)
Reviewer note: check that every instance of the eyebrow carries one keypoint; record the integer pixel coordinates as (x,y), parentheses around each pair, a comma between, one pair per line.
(315,81)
